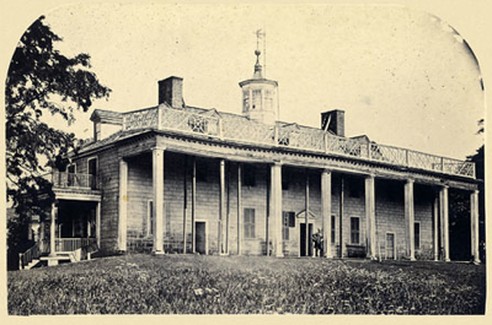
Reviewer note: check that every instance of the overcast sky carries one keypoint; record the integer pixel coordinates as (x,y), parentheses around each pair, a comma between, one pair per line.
(403,76)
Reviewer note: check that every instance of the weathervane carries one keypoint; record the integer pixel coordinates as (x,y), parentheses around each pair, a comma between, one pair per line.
(261,35)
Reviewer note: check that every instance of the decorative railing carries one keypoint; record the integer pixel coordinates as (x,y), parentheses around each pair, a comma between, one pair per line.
(236,128)
(73,180)
(28,256)
(142,119)
(72,244)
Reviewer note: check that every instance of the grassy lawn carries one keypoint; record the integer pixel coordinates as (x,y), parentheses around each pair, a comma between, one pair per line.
(136,284)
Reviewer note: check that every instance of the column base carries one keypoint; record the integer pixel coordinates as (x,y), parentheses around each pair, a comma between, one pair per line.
(52,262)
(447,260)
(158,253)
(477,262)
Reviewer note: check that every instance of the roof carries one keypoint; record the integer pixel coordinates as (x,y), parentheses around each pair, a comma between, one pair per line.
(118,136)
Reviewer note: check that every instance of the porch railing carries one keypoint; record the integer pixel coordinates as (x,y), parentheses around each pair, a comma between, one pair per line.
(28,256)
(232,127)
(72,244)
(73,180)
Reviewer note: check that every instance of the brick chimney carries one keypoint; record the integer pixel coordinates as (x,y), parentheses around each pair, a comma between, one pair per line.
(171,91)
(335,120)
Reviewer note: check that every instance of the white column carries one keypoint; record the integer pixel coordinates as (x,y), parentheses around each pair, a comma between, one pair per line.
(326,211)
(308,241)
(193,207)
(444,215)
(371,215)
(98,224)
(239,210)
(54,213)
(222,210)
(158,189)
(410,219)
(435,237)
(276,208)
(474,221)
(122,205)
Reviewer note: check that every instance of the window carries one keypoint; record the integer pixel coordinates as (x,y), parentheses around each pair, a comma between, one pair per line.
(150,218)
(285,226)
(71,170)
(249,176)
(416,233)
(249,223)
(92,171)
(354,230)
(333,228)
(256,98)
(269,99)
(246,101)
(289,221)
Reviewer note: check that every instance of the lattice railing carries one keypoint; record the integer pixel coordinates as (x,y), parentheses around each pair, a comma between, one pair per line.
(73,180)
(458,167)
(146,118)
(237,128)
(424,161)
(247,131)
(347,147)
(181,120)
(388,154)
(302,138)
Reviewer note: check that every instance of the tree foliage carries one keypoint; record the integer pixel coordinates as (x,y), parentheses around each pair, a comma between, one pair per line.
(42,81)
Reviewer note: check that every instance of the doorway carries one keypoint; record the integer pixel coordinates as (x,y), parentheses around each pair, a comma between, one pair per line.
(390,246)
(200,237)
(303,240)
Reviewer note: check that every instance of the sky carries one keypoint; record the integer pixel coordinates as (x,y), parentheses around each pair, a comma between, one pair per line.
(403,76)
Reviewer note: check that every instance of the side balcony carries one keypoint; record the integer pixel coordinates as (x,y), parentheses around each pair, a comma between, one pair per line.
(75,186)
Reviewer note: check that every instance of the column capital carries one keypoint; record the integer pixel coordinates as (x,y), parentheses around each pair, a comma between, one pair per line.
(161,148)
(370,176)
(326,171)
(277,163)
(410,180)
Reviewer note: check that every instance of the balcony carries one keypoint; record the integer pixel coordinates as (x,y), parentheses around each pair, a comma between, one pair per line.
(235,128)
(75,186)
(74,180)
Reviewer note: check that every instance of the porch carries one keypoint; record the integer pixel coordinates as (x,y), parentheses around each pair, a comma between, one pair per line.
(71,233)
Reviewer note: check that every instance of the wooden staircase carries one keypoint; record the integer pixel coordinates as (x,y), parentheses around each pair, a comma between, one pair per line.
(71,250)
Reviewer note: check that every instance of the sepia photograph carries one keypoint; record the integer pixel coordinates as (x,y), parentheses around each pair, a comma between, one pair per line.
(244,159)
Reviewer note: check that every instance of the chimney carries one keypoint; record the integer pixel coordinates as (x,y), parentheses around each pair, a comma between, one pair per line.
(171,92)
(336,120)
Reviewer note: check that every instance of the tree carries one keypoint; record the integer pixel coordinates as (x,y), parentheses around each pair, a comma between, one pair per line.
(41,81)
(479,159)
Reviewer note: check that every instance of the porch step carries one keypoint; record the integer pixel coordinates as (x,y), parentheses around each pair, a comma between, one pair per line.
(32,264)
(72,256)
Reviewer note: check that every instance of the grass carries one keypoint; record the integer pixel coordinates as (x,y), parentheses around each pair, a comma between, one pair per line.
(174,284)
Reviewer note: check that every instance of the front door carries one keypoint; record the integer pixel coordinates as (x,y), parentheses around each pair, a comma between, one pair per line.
(303,240)
(200,237)
(390,246)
